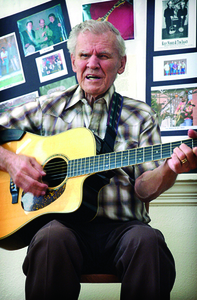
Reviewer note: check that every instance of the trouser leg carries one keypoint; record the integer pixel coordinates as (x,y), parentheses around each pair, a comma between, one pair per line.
(53,264)
(144,264)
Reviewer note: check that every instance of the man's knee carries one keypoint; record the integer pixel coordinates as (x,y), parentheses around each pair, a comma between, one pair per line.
(54,233)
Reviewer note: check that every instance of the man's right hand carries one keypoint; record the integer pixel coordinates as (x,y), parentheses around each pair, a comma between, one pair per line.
(25,172)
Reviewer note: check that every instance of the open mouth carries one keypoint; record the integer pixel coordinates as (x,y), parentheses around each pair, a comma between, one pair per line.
(92,77)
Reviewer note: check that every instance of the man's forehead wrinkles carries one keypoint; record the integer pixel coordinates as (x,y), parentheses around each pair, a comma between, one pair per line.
(95,51)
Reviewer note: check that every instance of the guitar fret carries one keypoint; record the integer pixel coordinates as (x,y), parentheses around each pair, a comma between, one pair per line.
(101,162)
(107,164)
(156,152)
(87,165)
(118,160)
(96,164)
(148,153)
(139,155)
(113,160)
(125,158)
(74,167)
(132,154)
(82,166)
(91,167)
(166,150)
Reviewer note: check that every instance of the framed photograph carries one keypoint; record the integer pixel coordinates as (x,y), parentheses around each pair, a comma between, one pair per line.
(11,71)
(176,107)
(5,105)
(60,85)
(175,67)
(175,24)
(51,66)
(42,30)
(112,11)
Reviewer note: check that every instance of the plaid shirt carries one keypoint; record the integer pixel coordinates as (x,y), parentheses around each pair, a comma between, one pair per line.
(49,115)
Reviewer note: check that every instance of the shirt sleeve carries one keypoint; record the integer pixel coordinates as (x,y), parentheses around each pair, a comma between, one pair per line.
(26,117)
(149,135)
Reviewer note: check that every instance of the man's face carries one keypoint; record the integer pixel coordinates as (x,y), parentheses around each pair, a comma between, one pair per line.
(51,19)
(96,62)
(29,26)
(42,23)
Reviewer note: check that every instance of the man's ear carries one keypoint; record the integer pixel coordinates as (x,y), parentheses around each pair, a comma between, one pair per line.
(123,64)
(72,57)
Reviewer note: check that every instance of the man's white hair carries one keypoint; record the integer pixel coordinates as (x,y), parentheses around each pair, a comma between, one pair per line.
(95,27)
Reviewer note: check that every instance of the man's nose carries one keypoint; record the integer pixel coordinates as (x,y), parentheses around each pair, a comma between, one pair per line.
(93,62)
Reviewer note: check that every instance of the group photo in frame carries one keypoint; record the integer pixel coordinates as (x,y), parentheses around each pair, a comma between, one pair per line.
(176,106)
(175,24)
(42,30)
(183,67)
(51,66)
(11,70)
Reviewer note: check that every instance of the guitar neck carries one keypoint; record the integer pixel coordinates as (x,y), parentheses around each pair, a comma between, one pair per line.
(110,11)
(114,160)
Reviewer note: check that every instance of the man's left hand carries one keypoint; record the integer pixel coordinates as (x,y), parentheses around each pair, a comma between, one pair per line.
(184,158)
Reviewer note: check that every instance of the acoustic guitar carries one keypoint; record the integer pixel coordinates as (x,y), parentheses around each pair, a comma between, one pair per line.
(74,173)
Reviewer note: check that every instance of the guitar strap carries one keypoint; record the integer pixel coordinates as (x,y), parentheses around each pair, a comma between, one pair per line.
(112,123)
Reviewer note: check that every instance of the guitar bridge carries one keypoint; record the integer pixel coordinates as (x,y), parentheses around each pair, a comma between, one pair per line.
(14,190)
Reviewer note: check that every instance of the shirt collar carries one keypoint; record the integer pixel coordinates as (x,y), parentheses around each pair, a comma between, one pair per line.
(79,96)
(57,102)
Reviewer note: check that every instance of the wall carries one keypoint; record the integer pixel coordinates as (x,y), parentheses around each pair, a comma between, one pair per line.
(174,213)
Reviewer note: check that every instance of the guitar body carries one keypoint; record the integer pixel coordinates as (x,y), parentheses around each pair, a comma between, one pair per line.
(21,218)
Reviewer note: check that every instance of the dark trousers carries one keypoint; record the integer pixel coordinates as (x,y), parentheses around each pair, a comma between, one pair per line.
(59,254)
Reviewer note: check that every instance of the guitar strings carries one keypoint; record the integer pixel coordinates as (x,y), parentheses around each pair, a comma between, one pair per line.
(103,162)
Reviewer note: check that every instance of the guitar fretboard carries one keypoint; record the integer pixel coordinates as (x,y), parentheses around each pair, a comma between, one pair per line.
(114,160)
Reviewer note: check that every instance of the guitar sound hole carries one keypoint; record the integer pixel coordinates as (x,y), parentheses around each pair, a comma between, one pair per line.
(56,171)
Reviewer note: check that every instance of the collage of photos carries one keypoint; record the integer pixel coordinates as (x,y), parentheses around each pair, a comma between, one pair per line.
(37,43)
(175,103)
(39,34)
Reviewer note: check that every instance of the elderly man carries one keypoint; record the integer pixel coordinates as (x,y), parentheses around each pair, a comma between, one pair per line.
(119,239)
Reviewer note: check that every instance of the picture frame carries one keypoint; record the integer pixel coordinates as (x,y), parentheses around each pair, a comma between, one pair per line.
(12,103)
(51,66)
(11,70)
(176,107)
(60,85)
(175,25)
(112,11)
(183,65)
(42,30)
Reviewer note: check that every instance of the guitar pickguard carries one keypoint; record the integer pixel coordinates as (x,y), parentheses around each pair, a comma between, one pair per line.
(30,202)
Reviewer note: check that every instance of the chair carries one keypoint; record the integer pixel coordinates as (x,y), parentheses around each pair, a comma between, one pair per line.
(103,278)
(99,278)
